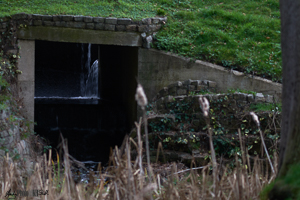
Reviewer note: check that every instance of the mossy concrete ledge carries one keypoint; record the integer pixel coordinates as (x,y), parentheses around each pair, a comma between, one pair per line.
(59,34)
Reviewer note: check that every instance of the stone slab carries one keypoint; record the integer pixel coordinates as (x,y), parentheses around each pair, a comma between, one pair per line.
(124,21)
(111,20)
(60,34)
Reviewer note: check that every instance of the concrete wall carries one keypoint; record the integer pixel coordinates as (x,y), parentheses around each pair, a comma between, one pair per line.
(157,69)
(26,79)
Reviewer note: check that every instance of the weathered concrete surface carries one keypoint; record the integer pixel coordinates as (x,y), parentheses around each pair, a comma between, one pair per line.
(59,34)
(26,79)
(157,69)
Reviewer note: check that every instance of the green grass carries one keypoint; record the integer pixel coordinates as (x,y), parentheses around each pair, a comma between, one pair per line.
(242,35)
(266,107)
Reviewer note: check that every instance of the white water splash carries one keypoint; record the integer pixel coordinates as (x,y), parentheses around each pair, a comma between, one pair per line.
(91,84)
(89,76)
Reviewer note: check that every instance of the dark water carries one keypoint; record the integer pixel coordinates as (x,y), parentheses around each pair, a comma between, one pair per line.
(91,126)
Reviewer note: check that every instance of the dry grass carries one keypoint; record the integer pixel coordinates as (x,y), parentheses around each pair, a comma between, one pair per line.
(129,179)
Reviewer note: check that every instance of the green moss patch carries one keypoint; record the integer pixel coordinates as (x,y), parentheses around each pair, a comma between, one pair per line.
(287,187)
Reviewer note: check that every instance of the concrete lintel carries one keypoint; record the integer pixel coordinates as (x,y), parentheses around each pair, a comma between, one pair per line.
(61,34)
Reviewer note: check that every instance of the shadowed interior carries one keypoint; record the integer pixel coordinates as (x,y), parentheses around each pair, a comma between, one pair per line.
(91,125)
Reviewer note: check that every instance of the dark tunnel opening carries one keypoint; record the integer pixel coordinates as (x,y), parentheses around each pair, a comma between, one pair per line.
(91,121)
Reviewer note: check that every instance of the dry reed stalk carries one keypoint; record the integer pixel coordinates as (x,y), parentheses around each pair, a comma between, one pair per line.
(140,146)
(255,118)
(130,183)
(205,108)
(142,101)
(244,169)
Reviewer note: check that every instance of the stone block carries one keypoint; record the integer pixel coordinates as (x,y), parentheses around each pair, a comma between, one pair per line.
(172,91)
(169,99)
(154,28)
(147,42)
(269,98)
(240,96)
(37,22)
(109,27)
(191,87)
(162,19)
(88,19)
(90,25)
(212,84)
(160,105)
(99,19)
(196,82)
(181,91)
(120,27)
(23,148)
(47,18)
(176,84)
(70,24)
(163,92)
(4,25)
(37,17)
(155,20)
(260,97)
(79,25)
(205,82)
(29,16)
(250,98)
(60,23)
(242,103)
(48,23)
(146,21)
(99,26)
(67,18)
(111,20)
(131,28)
(137,22)
(56,18)
(78,18)
(124,21)
(20,16)
(143,28)
(187,82)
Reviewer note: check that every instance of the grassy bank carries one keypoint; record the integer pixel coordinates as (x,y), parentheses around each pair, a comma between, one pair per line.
(242,35)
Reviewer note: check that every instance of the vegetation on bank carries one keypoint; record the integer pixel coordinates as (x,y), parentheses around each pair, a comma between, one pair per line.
(242,35)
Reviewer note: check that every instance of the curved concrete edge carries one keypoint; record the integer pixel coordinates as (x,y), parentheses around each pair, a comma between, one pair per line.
(157,69)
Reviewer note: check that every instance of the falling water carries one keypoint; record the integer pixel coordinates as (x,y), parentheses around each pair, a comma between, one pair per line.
(91,86)
(89,76)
